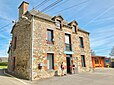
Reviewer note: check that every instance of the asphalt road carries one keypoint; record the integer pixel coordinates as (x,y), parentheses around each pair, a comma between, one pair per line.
(7,80)
(98,77)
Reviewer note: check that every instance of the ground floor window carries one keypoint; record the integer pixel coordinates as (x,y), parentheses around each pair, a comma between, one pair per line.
(83,61)
(13,63)
(96,60)
(50,61)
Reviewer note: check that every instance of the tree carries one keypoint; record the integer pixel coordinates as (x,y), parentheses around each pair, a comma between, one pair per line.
(112,52)
(93,53)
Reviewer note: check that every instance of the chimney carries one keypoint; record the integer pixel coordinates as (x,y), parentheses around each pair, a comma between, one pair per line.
(23,8)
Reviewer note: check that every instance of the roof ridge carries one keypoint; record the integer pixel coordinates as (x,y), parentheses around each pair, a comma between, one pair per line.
(41,12)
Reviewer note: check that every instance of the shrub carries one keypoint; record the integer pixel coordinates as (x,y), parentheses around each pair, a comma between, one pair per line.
(3,63)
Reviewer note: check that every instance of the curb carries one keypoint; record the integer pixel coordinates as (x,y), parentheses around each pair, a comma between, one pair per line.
(15,78)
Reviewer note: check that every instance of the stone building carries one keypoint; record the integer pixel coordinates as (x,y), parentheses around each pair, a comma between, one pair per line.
(40,43)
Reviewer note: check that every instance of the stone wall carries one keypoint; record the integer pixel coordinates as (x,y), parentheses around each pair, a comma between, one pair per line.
(22,30)
(85,51)
(41,48)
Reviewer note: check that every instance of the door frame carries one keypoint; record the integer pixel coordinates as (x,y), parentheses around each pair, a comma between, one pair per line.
(69,71)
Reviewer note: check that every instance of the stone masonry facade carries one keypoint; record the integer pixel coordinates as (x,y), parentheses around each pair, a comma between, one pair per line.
(32,46)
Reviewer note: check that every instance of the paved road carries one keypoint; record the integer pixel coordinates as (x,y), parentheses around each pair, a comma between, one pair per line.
(99,77)
(7,80)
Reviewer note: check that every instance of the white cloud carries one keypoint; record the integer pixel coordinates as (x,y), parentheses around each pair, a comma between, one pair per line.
(102,39)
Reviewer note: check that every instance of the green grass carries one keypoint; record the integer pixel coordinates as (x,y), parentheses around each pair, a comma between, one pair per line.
(3,66)
(3,63)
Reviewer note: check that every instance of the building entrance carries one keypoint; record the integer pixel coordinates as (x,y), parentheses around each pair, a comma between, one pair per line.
(69,63)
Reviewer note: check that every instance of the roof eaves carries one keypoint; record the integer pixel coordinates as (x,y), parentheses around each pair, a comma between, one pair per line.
(32,12)
(83,30)
(99,56)
(40,16)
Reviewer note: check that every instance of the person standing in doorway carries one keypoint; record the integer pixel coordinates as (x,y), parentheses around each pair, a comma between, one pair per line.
(62,68)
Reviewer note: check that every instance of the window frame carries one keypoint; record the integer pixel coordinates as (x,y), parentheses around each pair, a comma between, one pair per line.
(97,61)
(58,22)
(52,57)
(14,65)
(52,36)
(81,42)
(68,46)
(74,28)
(15,42)
(83,60)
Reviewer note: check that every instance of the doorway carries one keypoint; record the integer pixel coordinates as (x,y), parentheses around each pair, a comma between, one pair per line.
(69,63)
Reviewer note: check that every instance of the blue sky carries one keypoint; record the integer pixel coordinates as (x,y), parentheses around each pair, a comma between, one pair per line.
(95,16)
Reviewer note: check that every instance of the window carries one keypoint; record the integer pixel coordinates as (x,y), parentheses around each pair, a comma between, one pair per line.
(74,28)
(50,35)
(50,61)
(96,60)
(58,24)
(15,42)
(83,61)
(13,63)
(68,42)
(67,38)
(81,42)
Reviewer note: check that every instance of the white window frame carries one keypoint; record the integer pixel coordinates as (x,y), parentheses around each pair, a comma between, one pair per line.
(74,28)
(50,61)
(58,24)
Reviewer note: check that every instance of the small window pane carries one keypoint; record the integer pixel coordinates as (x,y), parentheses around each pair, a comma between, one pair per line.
(50,35)
(83,61)
(50,61)
(74,28)
(96,60)
(58,24)
(81,42)
(15,42)
(67,39)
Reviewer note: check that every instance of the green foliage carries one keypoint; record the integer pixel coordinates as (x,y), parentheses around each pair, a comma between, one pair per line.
(3,63)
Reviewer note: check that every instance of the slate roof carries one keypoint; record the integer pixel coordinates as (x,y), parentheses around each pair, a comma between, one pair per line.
(48,17)
(40,14)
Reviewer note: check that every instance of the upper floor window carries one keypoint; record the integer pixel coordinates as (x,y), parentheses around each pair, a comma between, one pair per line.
(68,42)
(15,42)
(58,24)
(67,38)
(50,35)
(81,42)
(74,28)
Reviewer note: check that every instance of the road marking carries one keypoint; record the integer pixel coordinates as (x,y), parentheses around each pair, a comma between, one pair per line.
(15,78)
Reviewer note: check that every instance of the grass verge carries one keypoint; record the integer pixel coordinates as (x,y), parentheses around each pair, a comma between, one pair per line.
(3,67)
